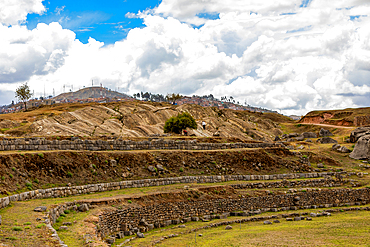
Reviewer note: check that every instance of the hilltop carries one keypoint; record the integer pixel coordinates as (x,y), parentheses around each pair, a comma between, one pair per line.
(90,93)
(139,119)
(345,117)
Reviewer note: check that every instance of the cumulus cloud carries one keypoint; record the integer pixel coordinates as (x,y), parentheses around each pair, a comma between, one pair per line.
(13,12)
(290,55)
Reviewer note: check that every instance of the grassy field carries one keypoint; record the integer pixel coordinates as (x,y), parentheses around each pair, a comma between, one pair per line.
(342,229)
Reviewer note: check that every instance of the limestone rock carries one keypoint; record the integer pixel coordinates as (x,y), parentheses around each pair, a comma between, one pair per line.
(326,140)
(83,208)
(358,133)
(160,168)
(267,222)
(113,163)
(277,139)
(228,227)
(323,132)
(63,228)
(299,138)
(362,149)
(291,135)
(309,135)
(320,165)
(152,169)
(140,235)
(40,209)
(335,146)
(343,149)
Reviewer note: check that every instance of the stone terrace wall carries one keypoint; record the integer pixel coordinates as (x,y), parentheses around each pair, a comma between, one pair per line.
(290,184)
(98,145)
(91,188)
(164,214)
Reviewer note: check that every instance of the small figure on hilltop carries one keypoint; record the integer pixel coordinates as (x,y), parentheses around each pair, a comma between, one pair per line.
(185,132)
(204,125)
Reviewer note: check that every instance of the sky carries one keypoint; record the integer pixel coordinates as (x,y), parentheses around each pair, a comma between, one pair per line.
(292,56)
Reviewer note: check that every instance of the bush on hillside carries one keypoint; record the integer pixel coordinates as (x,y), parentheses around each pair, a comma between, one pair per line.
(179,123)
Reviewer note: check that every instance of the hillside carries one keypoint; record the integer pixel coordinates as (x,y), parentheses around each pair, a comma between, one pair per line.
(91,92)
(139,119)
(345,117)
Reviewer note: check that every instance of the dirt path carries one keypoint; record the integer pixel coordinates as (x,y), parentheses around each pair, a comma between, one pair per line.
(329,125)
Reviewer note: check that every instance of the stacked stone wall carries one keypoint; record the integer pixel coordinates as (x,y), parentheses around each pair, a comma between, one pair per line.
(91,188)
(8,144)
(163,214)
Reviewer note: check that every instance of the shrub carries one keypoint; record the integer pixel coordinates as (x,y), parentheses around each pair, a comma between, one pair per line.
(94,166)
(179,123)
(29,185)
(41,155)
(13,169)
(181,169)
(2,178)
(27,227)
(69,174)
(17,228)
(36,180)
(304,156)
(27,223)
(12,238)
(40,225)
(11,175)
(67,211)
(129,201)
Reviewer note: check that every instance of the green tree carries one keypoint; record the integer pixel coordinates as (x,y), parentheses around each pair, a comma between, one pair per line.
(179,123)
(23,93)
(173,97)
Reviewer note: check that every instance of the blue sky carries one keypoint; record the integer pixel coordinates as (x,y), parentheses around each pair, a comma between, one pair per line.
(104,21)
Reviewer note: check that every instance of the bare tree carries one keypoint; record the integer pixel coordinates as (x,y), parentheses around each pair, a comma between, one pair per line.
(23,93)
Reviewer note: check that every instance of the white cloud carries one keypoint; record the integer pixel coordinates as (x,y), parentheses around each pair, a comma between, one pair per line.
(13,12)
(316,58)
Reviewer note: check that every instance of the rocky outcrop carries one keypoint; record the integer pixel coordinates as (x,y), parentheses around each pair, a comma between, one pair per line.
(358,133)
(362,148)
(362,121)
(309,135)
(326,140)
(341,149)
(323,132)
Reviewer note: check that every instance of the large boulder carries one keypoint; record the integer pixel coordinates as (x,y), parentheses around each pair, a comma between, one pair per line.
(324,132)
(343,149)
(326,140)
(293,135)
(309,135)
(299,138)
(362,149)
(358,133)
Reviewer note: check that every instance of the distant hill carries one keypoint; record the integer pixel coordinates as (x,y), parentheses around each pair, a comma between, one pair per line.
(346,117)
(91,92)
